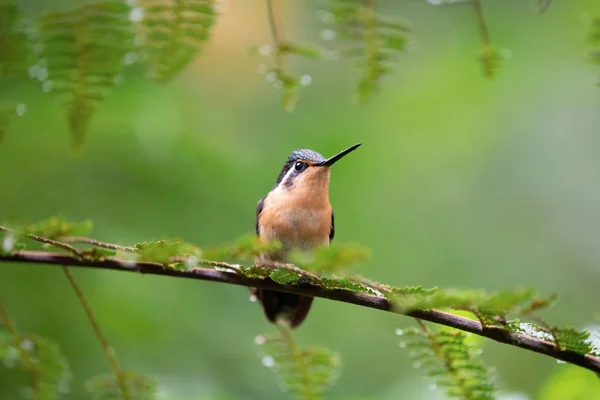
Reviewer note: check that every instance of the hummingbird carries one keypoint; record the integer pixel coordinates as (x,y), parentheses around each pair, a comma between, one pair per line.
(298,214)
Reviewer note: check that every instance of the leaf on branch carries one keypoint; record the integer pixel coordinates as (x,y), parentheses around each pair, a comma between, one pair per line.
(490,308)
(330,259)
(574,340)
(173,33)
(304,373)
(246,248)
(374,40)
(451,360)
(57,227)
(346,284)
(284,277)
(97,253)
(43,359)
(256,271)
(162,251)
(105,387)
(414,290)
(83,52)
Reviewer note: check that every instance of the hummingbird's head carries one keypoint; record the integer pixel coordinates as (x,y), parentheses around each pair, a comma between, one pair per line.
(308,171)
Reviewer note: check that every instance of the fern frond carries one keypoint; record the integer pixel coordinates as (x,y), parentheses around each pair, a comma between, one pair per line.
(373,39)
(451,360)
(84,51)
(43,359)
(575,340)
(246,248)
(490,57)
(488,307)
(15,56)
(162,251)
(278,74)
(57,227)
(594,41)
(15,47)
(105,387)
(173,33)
(330,258)
(304,373)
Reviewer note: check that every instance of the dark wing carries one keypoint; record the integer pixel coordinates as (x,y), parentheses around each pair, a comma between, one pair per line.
(259,208)
(332,231)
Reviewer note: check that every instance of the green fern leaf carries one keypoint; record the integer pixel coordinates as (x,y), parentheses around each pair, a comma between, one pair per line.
(345,284)
(84,51)
(330,259)
(246,248)
(57,227)
(174,32)
(105,387)
(284,277)
(15,56)
(256,271)
(162,251)
(574,340)
(42,359)
(15,47)
(53,368)
(97,253)
(488,307)
(451,360)
(304,373)
(373,39)
(414,290)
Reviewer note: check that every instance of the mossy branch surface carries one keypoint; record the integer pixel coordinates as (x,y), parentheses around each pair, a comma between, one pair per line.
(342,290)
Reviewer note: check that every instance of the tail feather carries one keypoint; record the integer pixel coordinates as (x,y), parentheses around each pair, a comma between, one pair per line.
(292,308)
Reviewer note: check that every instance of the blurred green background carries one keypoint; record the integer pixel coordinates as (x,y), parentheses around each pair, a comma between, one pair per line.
(460,182)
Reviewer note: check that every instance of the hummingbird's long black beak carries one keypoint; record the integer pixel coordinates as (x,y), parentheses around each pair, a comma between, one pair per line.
(331,160)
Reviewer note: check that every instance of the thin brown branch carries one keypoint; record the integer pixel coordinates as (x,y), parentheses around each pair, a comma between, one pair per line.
(51,242)
(496,333)
(108,350)
(481,24)
(208,263)
(275,35)
(97,243)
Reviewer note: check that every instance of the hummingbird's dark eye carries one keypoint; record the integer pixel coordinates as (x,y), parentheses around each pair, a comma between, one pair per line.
(300,166)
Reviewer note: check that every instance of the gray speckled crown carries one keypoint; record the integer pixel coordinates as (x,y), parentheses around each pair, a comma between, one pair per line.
(305,154)
(301,154)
